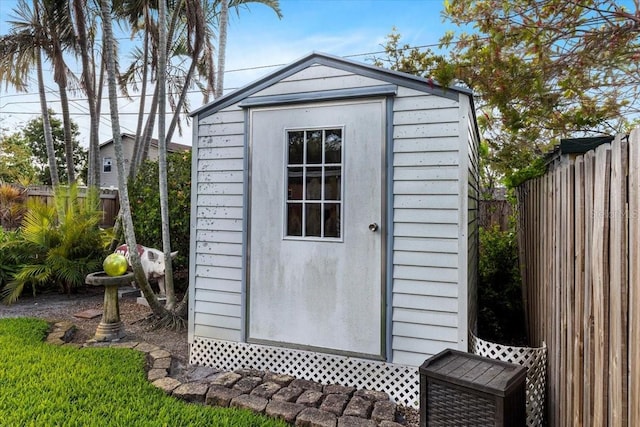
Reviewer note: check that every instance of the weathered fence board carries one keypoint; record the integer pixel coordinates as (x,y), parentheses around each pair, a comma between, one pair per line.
(580,249)
(109,201)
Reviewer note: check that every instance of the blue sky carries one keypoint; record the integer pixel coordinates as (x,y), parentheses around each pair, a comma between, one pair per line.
(259,42)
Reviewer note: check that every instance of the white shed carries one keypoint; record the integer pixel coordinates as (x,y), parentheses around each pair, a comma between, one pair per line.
(334,225)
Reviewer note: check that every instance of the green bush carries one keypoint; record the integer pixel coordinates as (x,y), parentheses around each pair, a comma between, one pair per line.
(56,245)
(500,311)
(46,385)
(144,197)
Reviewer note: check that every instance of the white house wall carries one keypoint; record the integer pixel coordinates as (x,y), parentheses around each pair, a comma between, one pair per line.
(218,252)
(426,218)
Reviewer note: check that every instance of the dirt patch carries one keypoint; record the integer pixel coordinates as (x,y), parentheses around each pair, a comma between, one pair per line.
(56,307)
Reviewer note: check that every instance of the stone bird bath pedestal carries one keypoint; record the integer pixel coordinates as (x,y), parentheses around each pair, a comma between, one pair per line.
(110,327)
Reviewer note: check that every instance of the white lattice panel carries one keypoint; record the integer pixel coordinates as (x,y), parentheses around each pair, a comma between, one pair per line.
(534,359)
(400,382)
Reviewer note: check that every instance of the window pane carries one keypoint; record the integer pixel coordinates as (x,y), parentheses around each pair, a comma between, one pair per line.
(333,146)
(296,147)
(314,183)
(332,220)
(313,220)
(294,184)
(294,219)
(332,179)
(314,146)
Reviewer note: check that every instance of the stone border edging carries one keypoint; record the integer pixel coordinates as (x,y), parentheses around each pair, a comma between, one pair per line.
(302,403)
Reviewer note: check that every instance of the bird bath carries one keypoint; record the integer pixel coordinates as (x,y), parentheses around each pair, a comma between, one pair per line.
(110,327)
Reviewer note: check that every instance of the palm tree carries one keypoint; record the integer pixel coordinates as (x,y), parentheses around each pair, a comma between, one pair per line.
(162,155)
(223,24)
(20,50)
(88,83)
(57,29)
(125,207)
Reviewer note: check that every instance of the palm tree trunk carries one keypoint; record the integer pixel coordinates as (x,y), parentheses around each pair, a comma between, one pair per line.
(222,47)
(68,140)
(46,123)
(133,166)
(162,156)
(89,86)
(154,304)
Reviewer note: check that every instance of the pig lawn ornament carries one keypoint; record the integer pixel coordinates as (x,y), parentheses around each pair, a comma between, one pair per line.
(152,261)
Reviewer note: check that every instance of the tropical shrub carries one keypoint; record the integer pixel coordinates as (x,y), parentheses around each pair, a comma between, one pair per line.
(144,196)
(500,309)
(58,244)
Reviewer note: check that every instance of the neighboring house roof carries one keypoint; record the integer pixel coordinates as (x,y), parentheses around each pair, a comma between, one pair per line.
(172,147)
(316,58)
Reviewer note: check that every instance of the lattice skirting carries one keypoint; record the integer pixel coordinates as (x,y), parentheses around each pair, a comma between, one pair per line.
(402,383)
(535,359)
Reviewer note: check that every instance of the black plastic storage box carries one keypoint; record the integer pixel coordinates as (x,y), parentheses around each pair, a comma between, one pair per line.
(463,389)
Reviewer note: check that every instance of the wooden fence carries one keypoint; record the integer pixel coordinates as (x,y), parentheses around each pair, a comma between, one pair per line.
(495,212)
(109,201)
(580,255)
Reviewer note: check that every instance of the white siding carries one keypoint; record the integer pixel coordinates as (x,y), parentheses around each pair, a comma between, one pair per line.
(218,270)
(434,168)
(473,196)
(426,159)
(308,81)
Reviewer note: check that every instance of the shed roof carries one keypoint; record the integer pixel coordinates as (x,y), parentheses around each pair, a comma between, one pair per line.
(316,58)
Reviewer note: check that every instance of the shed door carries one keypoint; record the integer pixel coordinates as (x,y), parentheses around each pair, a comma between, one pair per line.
(316,236)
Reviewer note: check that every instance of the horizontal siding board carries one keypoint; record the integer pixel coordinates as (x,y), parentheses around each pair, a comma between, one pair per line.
(220,309)
(436,274)
(221,285)
(217,140)
(208,295)
(219,260)
(218,237)
(418,244)
(432,173)
(446,231)
(215,248)
(433,216)
(220,153)
(436,201)
(231,114)
(220,165)
(216,333)
(436,158)
(222,176)
(408,358)
(216,321)
(219,272)
(422,116)
(425,259)
(422,302)
(426,332)
(407,101)
(416,345)
(219,224)
(220,200)
(425,187)
(425,130)
(232,188)
(425,317)
(229,128)
(415,145)
(219,212)
(317,72)
(330,83)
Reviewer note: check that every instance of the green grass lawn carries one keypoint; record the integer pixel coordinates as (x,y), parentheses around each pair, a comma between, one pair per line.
(46,385)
